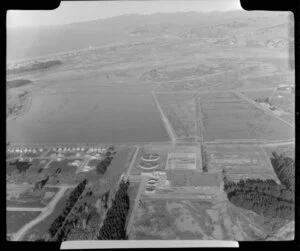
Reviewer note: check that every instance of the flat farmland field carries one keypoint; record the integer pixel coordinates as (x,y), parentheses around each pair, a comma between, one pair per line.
(180,110)
(15,220)
(217,82)
(204,180)
(182,178)
(287,150)
(228,117)
(239,162)
(181,161)
(267,81)
(261,94)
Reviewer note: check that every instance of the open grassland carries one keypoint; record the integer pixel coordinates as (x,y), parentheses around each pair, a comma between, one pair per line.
(169,219)
(180,110)
(181,178)
(27,197)
(239,162)
(108,180)
(17,219)
(132,193)
(34,173)
(228,117)
(62,171)
(203,220)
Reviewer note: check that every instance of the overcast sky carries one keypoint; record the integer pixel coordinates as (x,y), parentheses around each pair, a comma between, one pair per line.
(70,12)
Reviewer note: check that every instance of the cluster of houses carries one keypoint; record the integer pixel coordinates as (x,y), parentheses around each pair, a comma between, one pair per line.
(79,149)
(24,150)
(67,149)
(76,163)
(286,88)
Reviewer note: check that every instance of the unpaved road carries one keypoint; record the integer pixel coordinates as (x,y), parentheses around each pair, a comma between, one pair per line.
(136,202)
(240,95)
(28,209)
(48,210)
(133,159)
(164,118)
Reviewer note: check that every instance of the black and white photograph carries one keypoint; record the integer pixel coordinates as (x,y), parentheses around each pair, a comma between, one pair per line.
(150,120)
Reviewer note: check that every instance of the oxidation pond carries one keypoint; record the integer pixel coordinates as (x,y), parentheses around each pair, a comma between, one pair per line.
(89,117)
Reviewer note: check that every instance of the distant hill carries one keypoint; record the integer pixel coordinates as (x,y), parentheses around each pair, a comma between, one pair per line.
(228,27)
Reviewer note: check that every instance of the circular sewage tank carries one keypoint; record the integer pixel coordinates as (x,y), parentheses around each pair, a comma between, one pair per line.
(150,157)
(148,165)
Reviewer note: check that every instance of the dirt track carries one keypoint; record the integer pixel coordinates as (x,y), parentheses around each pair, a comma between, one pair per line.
(48,210)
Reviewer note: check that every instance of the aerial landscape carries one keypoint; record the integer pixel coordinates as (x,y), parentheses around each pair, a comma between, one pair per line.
(164,126)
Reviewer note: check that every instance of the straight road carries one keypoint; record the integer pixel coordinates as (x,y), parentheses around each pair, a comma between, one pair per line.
(133,160)
(27,209)
(136,202)
(165,120)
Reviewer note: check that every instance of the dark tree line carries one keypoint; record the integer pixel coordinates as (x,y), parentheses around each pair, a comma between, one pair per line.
(56,230)
(17,83)
(21,166)
(264,197)
(113,227)
(40,184)
(204,161)
(104,164)
(284,168)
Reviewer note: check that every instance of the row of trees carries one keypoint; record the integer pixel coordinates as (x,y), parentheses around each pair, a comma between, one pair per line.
(113,227)
(104,164)
(284,168)
(263,197)
(56,232)
(204,160)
